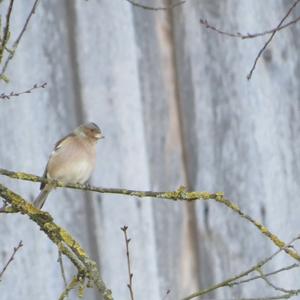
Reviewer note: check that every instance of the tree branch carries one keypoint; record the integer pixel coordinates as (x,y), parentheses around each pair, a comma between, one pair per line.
(276,288)
(269,298)
(146,7)
(287,268)
(62,269)
(16,43)
(270,39)
(17,94)
(245,36)
(59,236)
(130,274)
(72,285)
(273,31)
(6,32)
(233,280)
(180,194)
(16,249)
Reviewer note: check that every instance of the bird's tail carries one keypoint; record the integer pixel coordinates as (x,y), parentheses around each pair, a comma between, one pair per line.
(41,198)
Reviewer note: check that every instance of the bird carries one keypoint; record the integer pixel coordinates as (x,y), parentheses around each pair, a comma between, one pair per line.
(72,160)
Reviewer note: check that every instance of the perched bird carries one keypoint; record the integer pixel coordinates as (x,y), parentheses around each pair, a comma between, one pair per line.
(72,160)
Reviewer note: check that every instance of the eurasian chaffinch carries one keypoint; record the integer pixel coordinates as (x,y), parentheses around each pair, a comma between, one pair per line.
(72,160)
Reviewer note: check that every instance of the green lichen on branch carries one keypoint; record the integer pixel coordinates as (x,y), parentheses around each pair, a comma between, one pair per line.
(263,229)
(59,236)
(77,281)
(179,195)
(6,31)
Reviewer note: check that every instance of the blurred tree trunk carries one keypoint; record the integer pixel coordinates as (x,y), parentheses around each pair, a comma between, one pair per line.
(175,106)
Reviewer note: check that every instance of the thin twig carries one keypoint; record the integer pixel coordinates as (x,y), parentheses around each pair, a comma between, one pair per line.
(247,35)
(8,209)
(6,33)
(269,298)
(292,266)
(180,194)
(155,8)
(16,94)
(270,39)
(232,281)
(264,277)
(16,249)
(16,43)
(130,274)
(72,285)
(62,269)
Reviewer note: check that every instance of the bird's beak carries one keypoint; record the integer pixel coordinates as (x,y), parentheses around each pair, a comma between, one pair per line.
(99,136)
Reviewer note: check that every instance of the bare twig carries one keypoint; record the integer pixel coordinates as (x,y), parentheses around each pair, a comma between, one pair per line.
(16,249)
(16,43)
(287,268)
(6,33)
(130,274)
(269,298)
(233,280)
(272,32)
(247,35)
(270,39)
(16,94)
(180,194)
(264,277)
(155,8)
(62,269)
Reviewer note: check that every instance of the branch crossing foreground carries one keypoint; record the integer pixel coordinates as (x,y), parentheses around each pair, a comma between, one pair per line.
(87,269)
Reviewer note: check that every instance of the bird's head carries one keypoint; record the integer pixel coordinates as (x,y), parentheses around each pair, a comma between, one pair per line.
(89,130)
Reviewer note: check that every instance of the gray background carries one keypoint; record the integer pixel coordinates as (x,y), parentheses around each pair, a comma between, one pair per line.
(174,104)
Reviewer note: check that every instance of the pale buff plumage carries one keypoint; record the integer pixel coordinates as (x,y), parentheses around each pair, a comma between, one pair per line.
(72,160)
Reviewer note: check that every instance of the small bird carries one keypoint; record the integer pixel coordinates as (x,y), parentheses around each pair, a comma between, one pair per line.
(72,160)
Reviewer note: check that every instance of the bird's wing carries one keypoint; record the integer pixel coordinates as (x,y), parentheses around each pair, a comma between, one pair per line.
(57,146)
(45,176)
(61,142)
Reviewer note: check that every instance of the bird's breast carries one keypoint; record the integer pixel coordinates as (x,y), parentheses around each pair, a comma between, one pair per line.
(72,163)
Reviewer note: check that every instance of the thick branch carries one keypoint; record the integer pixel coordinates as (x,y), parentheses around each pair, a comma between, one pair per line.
(59,236)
